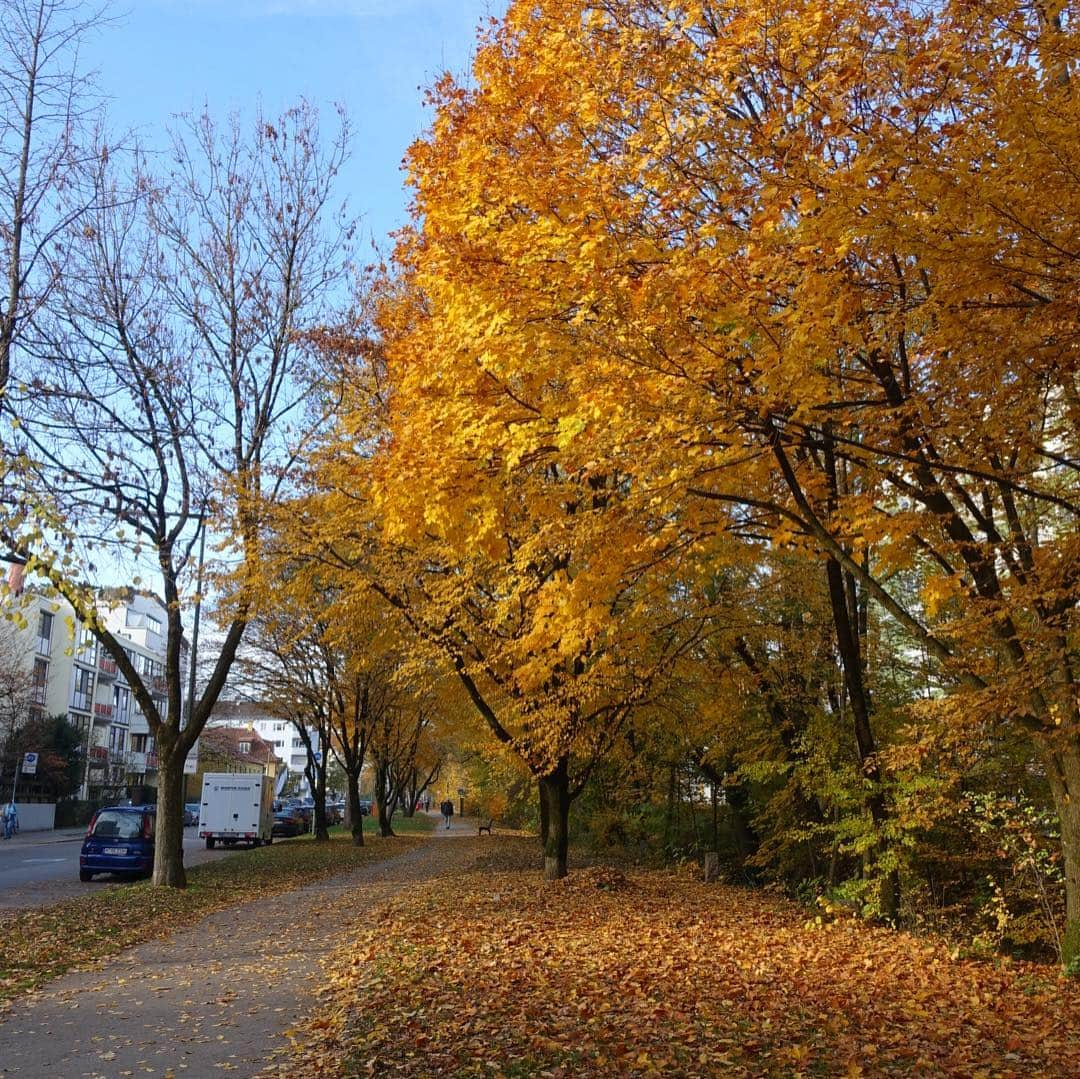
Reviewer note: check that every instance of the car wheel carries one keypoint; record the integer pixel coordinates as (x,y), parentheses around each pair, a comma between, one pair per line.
(85,875)
(210,844)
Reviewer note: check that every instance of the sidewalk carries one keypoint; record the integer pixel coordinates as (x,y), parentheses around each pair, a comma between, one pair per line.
(217,996)
(55,835)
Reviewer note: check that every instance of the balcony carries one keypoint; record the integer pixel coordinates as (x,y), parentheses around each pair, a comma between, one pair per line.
(107,669)
(98,756)
(151,762)
(103,713)
(159,683)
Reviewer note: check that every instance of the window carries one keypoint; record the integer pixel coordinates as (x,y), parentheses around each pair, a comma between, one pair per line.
(116,824)
(245,747)
(121,704)
(297,743)
(41,680)
(117,739)
(139,743)
(81,689)
(44,642)
(86,650)
(140,620)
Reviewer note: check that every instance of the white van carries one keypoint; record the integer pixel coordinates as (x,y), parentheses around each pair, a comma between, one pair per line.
(236,808)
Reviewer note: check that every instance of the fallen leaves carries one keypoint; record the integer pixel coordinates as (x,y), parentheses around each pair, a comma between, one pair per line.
(41,944)
(495,973)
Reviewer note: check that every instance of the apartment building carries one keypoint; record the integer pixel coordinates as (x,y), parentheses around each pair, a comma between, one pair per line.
(71,674)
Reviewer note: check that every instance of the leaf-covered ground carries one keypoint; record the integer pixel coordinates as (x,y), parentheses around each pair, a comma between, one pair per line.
(489,971)
(38,945)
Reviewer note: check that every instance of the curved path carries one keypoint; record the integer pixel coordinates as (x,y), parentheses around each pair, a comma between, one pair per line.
(217,997)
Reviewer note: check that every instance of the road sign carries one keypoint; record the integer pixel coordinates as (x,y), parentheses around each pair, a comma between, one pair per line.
(29,764)
(318,756)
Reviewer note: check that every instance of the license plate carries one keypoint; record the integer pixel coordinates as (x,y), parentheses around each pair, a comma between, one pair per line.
(115,850)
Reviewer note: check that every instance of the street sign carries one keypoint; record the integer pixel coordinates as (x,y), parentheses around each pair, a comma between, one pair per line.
(29,764)
(318,756)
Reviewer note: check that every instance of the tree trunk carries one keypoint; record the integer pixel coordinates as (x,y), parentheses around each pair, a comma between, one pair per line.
(1063,771)
(555,791)
(316,777)
(409,795)
(169,834)
(669,812)
(381,802)
(545,820)
(322,829)
(845,622)
(356,818)
(739,817)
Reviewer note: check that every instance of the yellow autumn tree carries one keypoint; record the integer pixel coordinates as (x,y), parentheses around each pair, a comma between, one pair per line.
(811,262)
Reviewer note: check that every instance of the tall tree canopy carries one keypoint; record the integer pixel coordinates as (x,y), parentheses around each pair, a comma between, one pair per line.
(803,271)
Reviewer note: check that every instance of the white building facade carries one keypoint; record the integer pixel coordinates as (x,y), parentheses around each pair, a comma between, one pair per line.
(73,675)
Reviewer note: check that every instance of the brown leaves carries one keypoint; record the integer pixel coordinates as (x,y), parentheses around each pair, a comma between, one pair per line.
(487,973)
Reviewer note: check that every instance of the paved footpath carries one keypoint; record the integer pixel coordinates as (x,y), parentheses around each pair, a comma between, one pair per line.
(216,997)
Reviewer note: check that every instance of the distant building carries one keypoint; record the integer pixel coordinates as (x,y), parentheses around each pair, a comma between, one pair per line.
(232,749)
(272,726)
(73,675)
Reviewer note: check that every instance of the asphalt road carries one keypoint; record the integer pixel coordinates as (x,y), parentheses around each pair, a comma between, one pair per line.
(43,867)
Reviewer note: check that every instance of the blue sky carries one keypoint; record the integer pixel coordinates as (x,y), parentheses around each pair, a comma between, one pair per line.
(375,57)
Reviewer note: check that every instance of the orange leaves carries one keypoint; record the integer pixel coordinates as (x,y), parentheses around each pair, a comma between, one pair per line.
(487,972)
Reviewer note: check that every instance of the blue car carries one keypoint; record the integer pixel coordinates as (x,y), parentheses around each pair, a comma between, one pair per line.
(120,839)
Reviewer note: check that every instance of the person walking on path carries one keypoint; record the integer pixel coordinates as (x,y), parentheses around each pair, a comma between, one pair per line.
(447,811)
(11,820)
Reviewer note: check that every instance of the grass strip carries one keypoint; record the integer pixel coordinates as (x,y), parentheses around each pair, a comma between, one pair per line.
(41,944)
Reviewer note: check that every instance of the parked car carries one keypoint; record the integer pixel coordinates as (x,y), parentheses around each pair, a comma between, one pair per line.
(286,826)
(191,813)
(335,812)
(365,806)
(120,840)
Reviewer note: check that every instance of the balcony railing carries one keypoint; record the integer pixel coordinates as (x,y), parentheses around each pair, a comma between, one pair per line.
(98,756)
(151,762)
(103,711)
(107,668)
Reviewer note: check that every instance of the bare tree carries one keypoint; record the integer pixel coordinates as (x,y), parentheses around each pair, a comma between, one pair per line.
(45,102)
(173,399)
(289,661)
(16,681)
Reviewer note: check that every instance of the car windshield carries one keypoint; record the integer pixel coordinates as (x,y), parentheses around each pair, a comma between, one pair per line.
(112,824)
